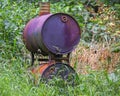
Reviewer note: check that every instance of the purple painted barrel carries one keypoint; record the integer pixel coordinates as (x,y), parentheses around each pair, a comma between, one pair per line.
(52,33)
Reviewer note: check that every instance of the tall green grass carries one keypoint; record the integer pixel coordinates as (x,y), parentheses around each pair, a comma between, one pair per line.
(14,81)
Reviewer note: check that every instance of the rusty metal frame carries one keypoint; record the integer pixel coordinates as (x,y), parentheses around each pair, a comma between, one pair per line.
(56,58)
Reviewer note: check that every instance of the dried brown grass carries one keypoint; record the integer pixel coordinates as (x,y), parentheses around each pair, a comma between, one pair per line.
(97,57)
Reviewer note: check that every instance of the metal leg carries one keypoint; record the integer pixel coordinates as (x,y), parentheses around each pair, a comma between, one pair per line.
(68,56)
(32,61)
(59,60)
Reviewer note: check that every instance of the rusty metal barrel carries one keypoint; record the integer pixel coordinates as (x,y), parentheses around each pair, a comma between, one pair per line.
(49,71)
(55,36)
(52,33)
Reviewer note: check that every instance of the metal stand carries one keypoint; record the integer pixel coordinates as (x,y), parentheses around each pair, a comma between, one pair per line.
(32,59)
(51,57)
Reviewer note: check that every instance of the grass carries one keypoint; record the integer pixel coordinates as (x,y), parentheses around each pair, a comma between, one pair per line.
(14,81)
(97,57)
(14,77)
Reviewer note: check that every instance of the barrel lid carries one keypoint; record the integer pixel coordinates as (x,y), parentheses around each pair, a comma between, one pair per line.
(60,33)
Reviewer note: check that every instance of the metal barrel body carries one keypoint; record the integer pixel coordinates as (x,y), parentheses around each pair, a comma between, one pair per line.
(50,71)
(32,33)
(58,34)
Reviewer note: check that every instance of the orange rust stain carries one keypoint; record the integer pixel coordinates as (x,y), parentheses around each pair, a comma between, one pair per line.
(43,67)
(40,69)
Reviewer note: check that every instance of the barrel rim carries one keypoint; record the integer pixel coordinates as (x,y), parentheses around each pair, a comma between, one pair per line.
(59,63)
